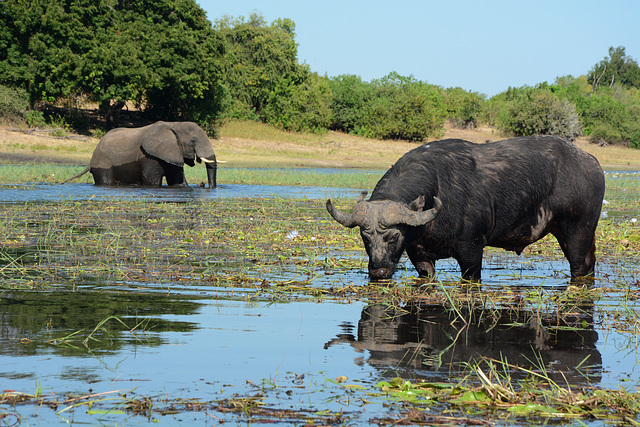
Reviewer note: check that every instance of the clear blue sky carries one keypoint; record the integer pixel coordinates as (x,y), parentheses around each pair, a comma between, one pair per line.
(481,46)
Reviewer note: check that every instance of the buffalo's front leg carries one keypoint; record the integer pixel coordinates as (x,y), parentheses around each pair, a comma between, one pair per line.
(424,264)
(469,259)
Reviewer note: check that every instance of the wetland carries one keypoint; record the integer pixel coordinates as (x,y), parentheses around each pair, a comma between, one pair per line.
(248,304)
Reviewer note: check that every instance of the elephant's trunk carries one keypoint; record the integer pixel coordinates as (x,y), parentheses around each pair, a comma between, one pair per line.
(212,171)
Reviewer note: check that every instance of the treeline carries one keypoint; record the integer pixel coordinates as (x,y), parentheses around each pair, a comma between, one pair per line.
(171,63)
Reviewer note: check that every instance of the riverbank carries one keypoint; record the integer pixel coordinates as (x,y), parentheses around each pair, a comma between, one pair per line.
(250,144)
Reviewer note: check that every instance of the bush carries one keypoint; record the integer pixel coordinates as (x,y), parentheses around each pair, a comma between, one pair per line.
(604,134)
(404,108)
(536,111)
(35,119)
(612,115)
(463,108)
(350,98)
(394,107)
(14,103)
(302,107)
(635,140)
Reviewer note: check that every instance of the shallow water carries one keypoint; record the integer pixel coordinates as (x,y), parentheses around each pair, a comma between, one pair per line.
(75,192)
(210,343)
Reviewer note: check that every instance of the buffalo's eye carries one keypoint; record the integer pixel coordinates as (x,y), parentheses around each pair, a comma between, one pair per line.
(391,238)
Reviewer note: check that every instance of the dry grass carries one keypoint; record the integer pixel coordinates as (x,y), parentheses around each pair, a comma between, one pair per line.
(250,144)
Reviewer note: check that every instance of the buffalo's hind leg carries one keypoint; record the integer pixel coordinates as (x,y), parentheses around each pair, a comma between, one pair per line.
(578,242)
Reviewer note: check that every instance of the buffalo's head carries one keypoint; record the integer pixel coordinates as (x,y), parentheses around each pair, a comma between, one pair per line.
(383,227)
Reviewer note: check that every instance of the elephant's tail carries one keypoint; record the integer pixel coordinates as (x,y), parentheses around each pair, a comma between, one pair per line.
(77,176)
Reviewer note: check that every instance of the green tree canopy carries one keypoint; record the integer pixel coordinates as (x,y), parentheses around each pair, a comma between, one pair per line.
(264,79)
(615,68)
(393,107)
(160,55)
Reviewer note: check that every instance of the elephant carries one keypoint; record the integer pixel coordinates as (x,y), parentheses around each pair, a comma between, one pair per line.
(143,156)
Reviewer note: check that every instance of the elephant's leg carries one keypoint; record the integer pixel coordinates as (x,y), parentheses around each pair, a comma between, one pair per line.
(174,174)
(102,176)
(212,171)
(152,172)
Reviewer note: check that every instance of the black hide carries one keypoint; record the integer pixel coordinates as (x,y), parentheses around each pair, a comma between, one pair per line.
(505,194)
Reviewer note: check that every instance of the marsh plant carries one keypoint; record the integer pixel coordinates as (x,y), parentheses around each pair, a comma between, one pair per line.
(280,250)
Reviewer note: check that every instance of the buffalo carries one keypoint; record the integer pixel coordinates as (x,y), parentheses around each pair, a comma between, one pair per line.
(451,198)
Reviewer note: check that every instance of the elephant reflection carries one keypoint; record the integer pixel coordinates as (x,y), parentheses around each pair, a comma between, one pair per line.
(426,338)
(146,155)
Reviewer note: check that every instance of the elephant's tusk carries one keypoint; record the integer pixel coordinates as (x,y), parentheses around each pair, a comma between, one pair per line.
(212,161)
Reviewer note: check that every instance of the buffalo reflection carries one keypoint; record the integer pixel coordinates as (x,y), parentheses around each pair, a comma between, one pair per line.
(420,338)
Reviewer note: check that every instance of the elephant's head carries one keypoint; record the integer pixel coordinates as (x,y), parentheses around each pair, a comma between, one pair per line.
(178,143)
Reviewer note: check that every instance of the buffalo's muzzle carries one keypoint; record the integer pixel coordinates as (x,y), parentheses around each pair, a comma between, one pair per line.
(380,273)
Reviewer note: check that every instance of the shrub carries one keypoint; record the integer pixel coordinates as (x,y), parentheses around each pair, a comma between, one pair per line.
(14,103)
(35,119)
(612,115)
(635,140)
(394,107)
(463,108)
(536,111)
(350,98)
(301,107)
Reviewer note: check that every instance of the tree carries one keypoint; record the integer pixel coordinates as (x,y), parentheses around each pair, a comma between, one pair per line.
(463,107)
(301,107)
(615,68)
(160,55)
(402,107)
(259,59)
(41,47)
(350,98)
(183,56)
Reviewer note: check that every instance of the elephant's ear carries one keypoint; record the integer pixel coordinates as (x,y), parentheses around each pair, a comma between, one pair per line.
(162,143)
(204,149)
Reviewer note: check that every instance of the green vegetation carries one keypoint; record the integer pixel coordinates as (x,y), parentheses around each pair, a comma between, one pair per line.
(243,249)
(163,55)
(14,103)
(171,63)
(55,174)
(264,79)
(394,107)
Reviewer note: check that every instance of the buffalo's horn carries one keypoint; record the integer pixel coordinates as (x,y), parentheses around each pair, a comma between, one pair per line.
(348,219)
(415,219)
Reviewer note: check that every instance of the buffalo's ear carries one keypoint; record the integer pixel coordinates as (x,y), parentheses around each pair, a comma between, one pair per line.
(160,141)
(418,204)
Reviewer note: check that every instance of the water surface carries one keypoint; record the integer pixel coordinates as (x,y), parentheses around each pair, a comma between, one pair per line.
(181,341)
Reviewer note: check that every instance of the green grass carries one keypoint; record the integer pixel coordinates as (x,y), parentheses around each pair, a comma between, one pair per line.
(242,248)
(52,174)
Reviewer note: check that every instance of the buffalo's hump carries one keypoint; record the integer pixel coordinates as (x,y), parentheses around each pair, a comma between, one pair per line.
(500,175)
